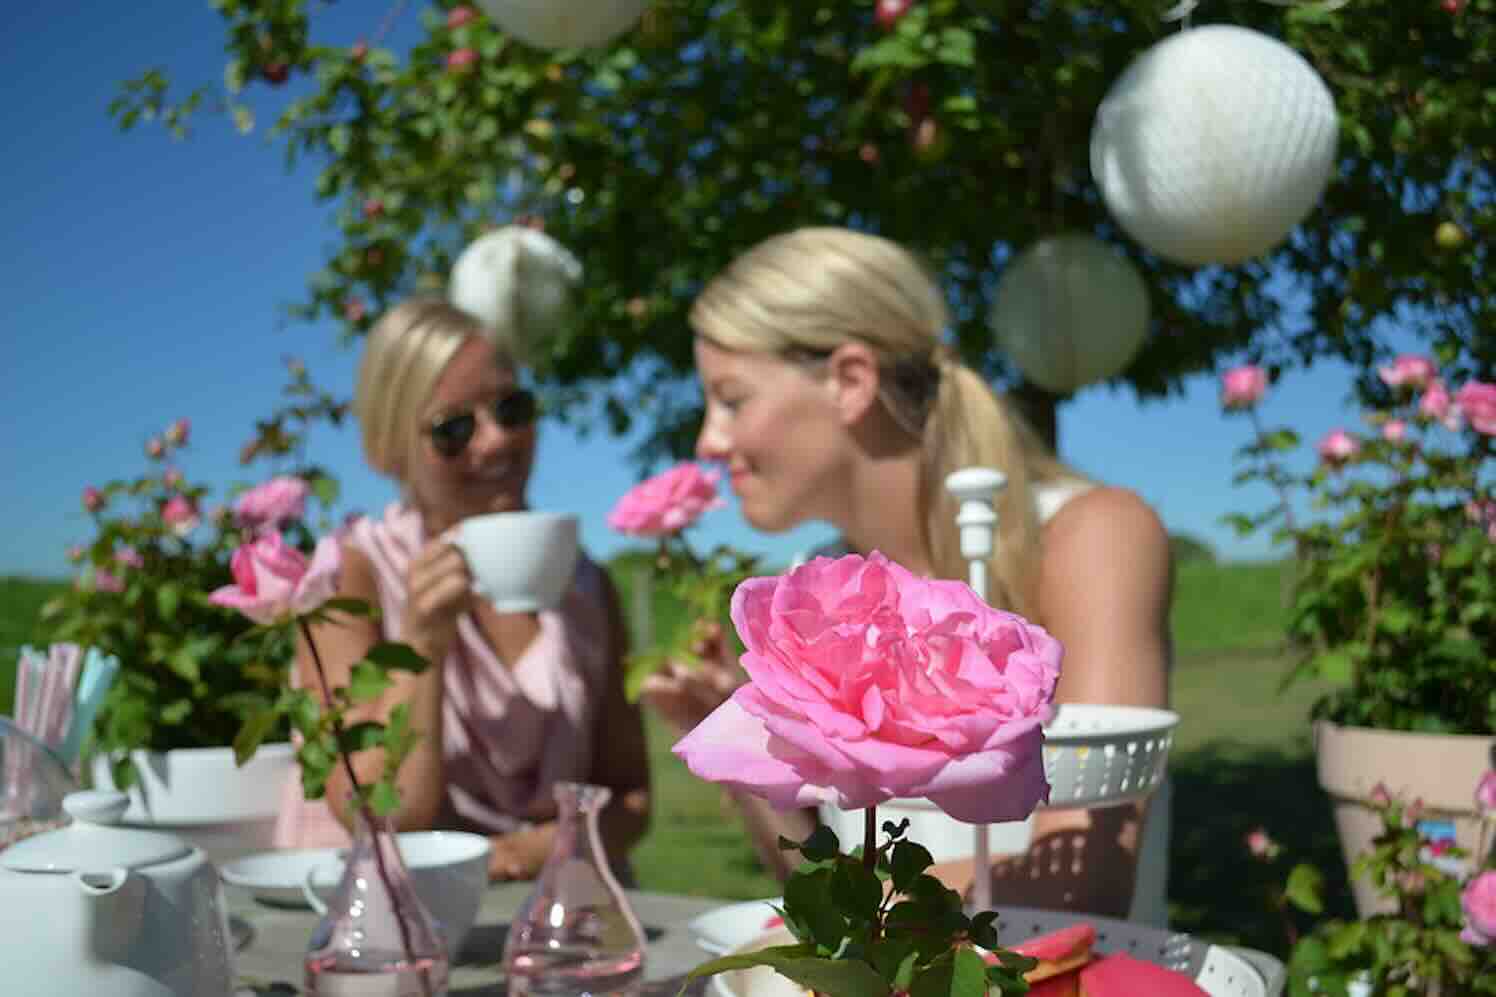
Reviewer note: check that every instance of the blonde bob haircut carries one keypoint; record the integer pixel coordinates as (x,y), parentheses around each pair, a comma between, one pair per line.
(403,359)
(802,294)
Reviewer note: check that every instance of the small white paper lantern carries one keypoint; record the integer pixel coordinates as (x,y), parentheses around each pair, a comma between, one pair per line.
(516,280)
(564,23)
(1214,144)
(1070,311)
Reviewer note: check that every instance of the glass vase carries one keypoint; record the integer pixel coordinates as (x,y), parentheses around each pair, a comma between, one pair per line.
(377,939)
(576,933)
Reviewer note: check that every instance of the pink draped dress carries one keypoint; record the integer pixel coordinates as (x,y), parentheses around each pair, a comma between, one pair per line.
(509,732)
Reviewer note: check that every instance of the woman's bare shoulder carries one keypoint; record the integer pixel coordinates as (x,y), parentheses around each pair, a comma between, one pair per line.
(1106,529)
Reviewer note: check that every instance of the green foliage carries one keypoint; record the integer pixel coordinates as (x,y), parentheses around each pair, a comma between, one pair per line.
(963,132)
(189,676)
(1184,548)
(702,586)
(1414,950)
(1394,597)
(876,923)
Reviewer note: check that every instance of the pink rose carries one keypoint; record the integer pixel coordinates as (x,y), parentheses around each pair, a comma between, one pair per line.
(1479,904)
(273,580)
(103,581)
(666,503)
(178,432)
(155,448)
(1477,402)
(869,683)
(272,503)
(1243,387)
(1337,447)
(1261,845)
(1394,430)
(462,60)
(172,478)
(1436,403)
(93,499)
(458,16)
(1485,793)
(129,557)
(179,515)
(75,553)
(1380,797)
(1408,369)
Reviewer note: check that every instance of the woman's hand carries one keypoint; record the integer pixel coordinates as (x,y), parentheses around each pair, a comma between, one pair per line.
(439,588)
(519,854)
(685,694)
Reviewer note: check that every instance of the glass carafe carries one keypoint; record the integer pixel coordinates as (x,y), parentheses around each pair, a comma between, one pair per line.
(576,934)
(377,939)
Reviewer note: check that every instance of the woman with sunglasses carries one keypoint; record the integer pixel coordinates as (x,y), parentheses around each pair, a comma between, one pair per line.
(830,396)
(513,703)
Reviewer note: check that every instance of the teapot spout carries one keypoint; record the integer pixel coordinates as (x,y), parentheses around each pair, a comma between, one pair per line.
(116,901)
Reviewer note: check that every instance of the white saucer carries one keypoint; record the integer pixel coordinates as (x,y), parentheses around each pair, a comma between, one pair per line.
(725,928)
(276,877)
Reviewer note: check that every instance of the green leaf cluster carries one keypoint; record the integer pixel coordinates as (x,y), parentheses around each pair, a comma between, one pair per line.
(963,133)
(874,925)
(1413,950)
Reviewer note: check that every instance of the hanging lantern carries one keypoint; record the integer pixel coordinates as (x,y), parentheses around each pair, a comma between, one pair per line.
(1070,311)
(1214,144)
(564,23)
(518,281)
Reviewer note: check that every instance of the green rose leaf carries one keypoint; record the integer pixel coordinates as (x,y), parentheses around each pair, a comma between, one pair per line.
(969,975)
(808,896)
(397,656)
(252,733)
(910,860)
(832,977)
(367,682)
(1305,889)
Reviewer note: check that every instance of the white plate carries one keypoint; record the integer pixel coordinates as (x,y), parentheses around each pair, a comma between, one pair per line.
(725,928)
(276,877)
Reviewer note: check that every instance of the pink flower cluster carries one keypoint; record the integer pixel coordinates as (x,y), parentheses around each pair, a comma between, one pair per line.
(1242,387)
(273,503)
(869,683)
(666,503)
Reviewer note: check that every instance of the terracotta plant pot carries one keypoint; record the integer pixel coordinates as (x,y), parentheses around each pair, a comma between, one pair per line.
(1440,769)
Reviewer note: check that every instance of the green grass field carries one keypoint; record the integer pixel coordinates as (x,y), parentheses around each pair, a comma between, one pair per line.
(1241,760)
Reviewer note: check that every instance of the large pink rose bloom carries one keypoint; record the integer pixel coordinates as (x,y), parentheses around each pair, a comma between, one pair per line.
(868,683)
(273,581)
(1243,387)
(666,503)
(1477,400)
(1479,904)
(272,503)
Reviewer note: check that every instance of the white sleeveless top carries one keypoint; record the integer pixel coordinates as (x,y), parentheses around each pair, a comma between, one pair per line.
(949,839)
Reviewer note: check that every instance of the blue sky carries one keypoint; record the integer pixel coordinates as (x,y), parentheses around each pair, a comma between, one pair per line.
(144,280)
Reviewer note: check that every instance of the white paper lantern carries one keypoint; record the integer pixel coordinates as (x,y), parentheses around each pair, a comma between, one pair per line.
(564,23)
(1214,144)
(517,281)
(1070,311)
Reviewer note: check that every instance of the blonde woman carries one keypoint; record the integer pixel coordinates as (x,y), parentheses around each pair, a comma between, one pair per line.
(830,396)
(513,703)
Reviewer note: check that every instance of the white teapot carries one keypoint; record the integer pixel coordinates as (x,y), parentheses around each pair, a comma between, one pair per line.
(94,908)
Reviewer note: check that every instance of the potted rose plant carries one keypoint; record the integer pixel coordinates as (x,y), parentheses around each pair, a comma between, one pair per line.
(188,684)
(1437,935)
(1394,596)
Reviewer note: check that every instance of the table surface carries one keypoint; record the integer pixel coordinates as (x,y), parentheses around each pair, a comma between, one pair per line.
(270,961)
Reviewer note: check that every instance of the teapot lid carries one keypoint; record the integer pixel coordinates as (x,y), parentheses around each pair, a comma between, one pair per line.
(92,841)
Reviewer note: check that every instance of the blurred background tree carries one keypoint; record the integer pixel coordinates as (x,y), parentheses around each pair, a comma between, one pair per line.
(958,127)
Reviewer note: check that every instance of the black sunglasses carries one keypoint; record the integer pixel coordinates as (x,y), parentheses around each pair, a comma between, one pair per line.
(453,433)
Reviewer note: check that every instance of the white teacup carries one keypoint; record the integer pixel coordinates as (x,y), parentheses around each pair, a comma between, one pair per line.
(522,562)
(448,870)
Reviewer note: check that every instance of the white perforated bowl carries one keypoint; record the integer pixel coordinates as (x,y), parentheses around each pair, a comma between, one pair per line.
(1104,755)
(1093,756)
